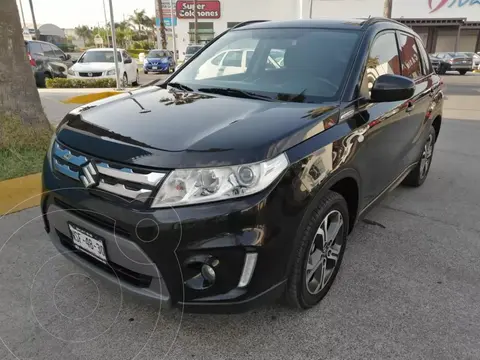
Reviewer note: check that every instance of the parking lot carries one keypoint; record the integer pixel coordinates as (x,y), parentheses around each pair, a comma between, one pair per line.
(408,287)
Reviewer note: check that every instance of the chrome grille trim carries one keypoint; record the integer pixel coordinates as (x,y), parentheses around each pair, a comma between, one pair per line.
(126,174)
(122,181)
(119,189)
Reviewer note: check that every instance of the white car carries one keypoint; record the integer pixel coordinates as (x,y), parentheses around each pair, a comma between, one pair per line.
(234,61)
(100,64)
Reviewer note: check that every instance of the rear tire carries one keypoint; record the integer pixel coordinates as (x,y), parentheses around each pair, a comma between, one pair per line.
(462,72)
(420,172)
(317,261)
(442,70)
(43,82)
(145,71)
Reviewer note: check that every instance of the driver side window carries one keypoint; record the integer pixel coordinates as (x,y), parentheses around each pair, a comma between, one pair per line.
(382,59)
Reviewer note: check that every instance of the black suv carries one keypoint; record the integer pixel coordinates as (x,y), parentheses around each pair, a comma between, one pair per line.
(47,61)
(227,186)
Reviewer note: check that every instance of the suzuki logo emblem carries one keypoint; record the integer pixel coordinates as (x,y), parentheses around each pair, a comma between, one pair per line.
(89,177)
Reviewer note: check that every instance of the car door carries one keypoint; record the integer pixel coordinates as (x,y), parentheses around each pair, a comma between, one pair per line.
(415,123)
(383,121)
(130,66)
(53,65)
(62,57)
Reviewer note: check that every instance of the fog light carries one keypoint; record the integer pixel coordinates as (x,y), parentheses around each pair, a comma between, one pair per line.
(208,273)
(248,267)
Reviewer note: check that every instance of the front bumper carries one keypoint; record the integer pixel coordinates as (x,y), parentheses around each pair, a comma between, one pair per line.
(91,78)
(164,67)
(149,250)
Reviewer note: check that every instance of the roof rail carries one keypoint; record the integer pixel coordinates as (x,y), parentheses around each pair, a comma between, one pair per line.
(245,23)
(373,20)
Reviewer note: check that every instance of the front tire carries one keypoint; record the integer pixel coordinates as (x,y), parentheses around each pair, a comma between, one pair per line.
(462,72)
(420,172)
(320,252)
(135,83)
(125,80)
(145,71)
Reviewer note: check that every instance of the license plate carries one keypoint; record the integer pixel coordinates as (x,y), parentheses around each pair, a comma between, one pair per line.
(88,243)
(154,67)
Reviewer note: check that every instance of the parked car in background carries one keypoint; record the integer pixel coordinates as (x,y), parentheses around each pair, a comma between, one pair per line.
(190,51)
(475,59)
(439,65)
(455,61)
(235,61)
(47,61)
(220,194)
(100,64)
(159,61)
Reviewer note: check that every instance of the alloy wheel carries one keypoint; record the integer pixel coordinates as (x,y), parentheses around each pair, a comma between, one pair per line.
(324,252)
(426,156)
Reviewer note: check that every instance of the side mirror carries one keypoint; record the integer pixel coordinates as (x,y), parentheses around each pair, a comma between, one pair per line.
(388,88)
(127,61)
(68,57)
(74,61)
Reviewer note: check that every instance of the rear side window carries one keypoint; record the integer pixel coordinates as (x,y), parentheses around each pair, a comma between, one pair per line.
(427,68)
(216,60)
(233,58)
(382,59)
(410,56)
(58,53)
(34,48)
(48,50)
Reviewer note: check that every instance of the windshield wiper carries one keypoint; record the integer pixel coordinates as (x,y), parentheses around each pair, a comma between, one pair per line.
(179,86)
(237,93)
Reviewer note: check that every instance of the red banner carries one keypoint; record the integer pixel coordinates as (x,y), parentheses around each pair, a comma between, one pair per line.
(205,9)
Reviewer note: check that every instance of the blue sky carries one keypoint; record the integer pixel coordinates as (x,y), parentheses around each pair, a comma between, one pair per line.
(71,13)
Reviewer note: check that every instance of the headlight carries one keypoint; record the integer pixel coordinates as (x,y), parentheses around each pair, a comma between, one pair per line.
(50,150)
(70,72)
(193,186)
(110,72)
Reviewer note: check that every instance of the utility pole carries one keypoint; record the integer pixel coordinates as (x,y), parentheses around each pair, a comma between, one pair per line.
(23,16)
(195,17)
(37,33)
(387,8)
(114,44)
(173,16)
(106,23)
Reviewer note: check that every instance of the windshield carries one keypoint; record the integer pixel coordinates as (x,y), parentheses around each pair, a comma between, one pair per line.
(287,64)
(99,56)
(157,54)
(192,49)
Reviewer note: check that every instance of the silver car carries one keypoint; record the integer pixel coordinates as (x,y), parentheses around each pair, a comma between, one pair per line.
(455,61)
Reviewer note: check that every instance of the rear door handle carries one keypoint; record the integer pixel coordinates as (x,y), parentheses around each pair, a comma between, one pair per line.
(410,106)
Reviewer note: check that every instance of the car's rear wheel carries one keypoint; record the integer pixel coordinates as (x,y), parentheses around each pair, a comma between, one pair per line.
(462,72)
(145,71)
(320,252)
(442,70)
(420,172)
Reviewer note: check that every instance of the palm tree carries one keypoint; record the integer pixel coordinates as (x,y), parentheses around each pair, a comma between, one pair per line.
(138,18)
(18,93)
(84,32)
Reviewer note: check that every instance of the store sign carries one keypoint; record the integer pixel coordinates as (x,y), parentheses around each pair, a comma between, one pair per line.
(435,5)
(205,9)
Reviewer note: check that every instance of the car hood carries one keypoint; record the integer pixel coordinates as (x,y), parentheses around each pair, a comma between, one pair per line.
(99,66)
(162,128)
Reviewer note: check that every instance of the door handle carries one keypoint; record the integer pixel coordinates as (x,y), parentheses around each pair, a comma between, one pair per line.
(410,106)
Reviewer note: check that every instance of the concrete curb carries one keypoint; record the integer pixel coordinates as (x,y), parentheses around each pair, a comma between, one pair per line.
(20,193)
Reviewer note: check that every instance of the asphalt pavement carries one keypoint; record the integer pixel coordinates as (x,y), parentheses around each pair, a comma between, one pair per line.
(408,287)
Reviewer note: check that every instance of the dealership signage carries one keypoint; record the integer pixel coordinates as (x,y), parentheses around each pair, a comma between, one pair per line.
(205,9)
(435,5)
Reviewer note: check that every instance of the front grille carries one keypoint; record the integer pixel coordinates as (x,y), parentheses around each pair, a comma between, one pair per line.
(105,222)
(129,276)
(130,183)
(90,74)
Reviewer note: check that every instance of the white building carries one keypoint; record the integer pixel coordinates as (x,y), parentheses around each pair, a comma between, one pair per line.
(444,25)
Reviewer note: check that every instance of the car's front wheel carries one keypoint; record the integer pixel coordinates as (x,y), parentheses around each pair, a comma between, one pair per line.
(135,83)
(462,72)
(419,173)
(320,252)
(124,80)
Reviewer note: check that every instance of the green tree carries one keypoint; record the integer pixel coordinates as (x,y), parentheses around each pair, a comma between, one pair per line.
(84,32)
(139,18)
